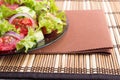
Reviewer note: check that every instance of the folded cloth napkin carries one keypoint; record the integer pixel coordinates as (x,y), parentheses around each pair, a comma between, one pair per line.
(87,33)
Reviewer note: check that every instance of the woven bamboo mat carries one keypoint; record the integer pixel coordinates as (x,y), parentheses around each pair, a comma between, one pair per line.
(104,64)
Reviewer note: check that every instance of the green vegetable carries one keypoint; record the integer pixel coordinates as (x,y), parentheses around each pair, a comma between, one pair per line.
(5,12)
(42,7)
(53,8)
(24,9)
(6,26)
(29,3)
(55,21)
(50,22)
(30,40)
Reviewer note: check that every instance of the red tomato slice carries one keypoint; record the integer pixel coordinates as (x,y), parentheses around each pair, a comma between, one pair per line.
(1,40)
(8,43)
(12,6)
(22,24)
(26,21)
(1,3)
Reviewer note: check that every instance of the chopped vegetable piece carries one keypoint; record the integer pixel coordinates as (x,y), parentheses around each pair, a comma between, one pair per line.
(7,43)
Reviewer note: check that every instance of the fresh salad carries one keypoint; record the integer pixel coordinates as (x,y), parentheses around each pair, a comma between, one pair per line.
(23,23)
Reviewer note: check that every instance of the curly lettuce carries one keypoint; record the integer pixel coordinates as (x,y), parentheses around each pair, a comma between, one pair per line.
(50,22)
(6,12)
(55,21)
(30,40)
(6,26)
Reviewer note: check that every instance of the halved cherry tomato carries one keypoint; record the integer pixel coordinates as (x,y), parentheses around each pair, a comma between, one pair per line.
(22,24)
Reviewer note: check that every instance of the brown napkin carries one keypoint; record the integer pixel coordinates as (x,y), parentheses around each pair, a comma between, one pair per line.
(87,32)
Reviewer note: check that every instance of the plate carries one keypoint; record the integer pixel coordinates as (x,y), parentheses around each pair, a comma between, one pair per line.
(49,39)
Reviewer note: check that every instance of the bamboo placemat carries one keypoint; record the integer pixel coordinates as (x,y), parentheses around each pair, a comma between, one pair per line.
(95,65)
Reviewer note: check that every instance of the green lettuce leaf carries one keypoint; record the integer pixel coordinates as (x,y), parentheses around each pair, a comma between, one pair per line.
(24,9)
(28,3)
(6,26)
(30,40)
(51,23)
(6,12)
